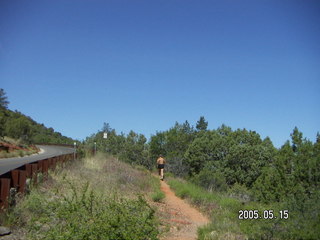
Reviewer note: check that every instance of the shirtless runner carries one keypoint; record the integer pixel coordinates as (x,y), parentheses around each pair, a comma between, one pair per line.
(161,162)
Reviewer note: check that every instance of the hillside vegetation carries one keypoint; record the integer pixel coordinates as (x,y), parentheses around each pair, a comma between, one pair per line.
(95,198)
(15,148)
(16,125)
(235,163)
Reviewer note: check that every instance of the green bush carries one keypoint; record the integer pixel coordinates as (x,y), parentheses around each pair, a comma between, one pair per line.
(240,192)
(157,196)
(93,217)
(211,180)
(86,215)
(21,153)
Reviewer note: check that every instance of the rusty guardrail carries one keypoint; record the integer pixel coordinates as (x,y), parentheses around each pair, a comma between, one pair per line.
(17,178)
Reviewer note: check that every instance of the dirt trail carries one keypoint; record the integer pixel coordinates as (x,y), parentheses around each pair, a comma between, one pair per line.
(182,218)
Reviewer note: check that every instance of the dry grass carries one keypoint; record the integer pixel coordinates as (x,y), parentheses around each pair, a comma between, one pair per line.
(104,175)
(17,148)
(17,153)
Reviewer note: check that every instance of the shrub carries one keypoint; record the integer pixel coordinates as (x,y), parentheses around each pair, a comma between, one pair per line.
(21,153)
(211,180)
(157,196)
(240,192)
(86,215)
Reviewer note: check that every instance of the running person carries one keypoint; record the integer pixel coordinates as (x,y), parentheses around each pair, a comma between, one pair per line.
(161,162)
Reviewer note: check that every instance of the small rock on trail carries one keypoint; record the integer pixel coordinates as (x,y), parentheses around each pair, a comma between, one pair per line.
(4,231)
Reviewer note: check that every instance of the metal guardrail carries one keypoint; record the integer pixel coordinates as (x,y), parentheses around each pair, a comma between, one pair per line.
(17,178)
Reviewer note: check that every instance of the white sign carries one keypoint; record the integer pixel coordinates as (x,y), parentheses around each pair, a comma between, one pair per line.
(105,135)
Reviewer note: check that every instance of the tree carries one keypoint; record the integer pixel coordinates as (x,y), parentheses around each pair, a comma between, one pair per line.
(210,147)
(106,128)
(18,128)
(135,150)
(211,178)
(270,186)
(2,122)
(202,124)
(158,145)
(224,130)
(244,163)
(173,144)
(296,137)
(3,99)
(285,159)
(3,113)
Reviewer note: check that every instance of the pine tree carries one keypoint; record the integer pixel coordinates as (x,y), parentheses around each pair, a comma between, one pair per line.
(3,99)
(296,137)
(202,124)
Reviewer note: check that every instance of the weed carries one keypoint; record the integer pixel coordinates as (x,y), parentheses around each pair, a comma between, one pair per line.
(21,153)
(157,195)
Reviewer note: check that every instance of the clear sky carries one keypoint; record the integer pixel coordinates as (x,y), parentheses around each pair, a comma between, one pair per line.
(142,65)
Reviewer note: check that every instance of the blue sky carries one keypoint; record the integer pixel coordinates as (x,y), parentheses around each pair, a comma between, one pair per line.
(142,65)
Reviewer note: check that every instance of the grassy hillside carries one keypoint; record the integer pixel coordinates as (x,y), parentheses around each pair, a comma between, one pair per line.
(228,221)
(16,125)
(95,198)
(19,133)
(15,148)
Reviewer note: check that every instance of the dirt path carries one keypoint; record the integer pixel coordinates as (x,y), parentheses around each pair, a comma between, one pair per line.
(182,219)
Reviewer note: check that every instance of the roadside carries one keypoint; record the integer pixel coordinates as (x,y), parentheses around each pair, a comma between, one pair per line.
(15,148)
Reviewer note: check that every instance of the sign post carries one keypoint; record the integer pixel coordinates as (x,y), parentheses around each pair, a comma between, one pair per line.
(75,149)
(105,136)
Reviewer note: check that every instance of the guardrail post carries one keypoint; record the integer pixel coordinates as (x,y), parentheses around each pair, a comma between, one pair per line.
(45,165)
(22,181)
(54,163)
(49,163)
(15,178)
(4,192)
(28,170)
(34,172)
(40,165)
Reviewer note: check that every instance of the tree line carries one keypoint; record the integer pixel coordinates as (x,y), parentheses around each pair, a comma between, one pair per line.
(218,159)
(16,125)
(225,160)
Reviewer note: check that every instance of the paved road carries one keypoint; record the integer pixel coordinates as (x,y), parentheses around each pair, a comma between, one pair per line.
(7,164)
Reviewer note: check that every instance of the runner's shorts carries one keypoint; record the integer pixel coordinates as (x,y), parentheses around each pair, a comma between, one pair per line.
(160,166)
